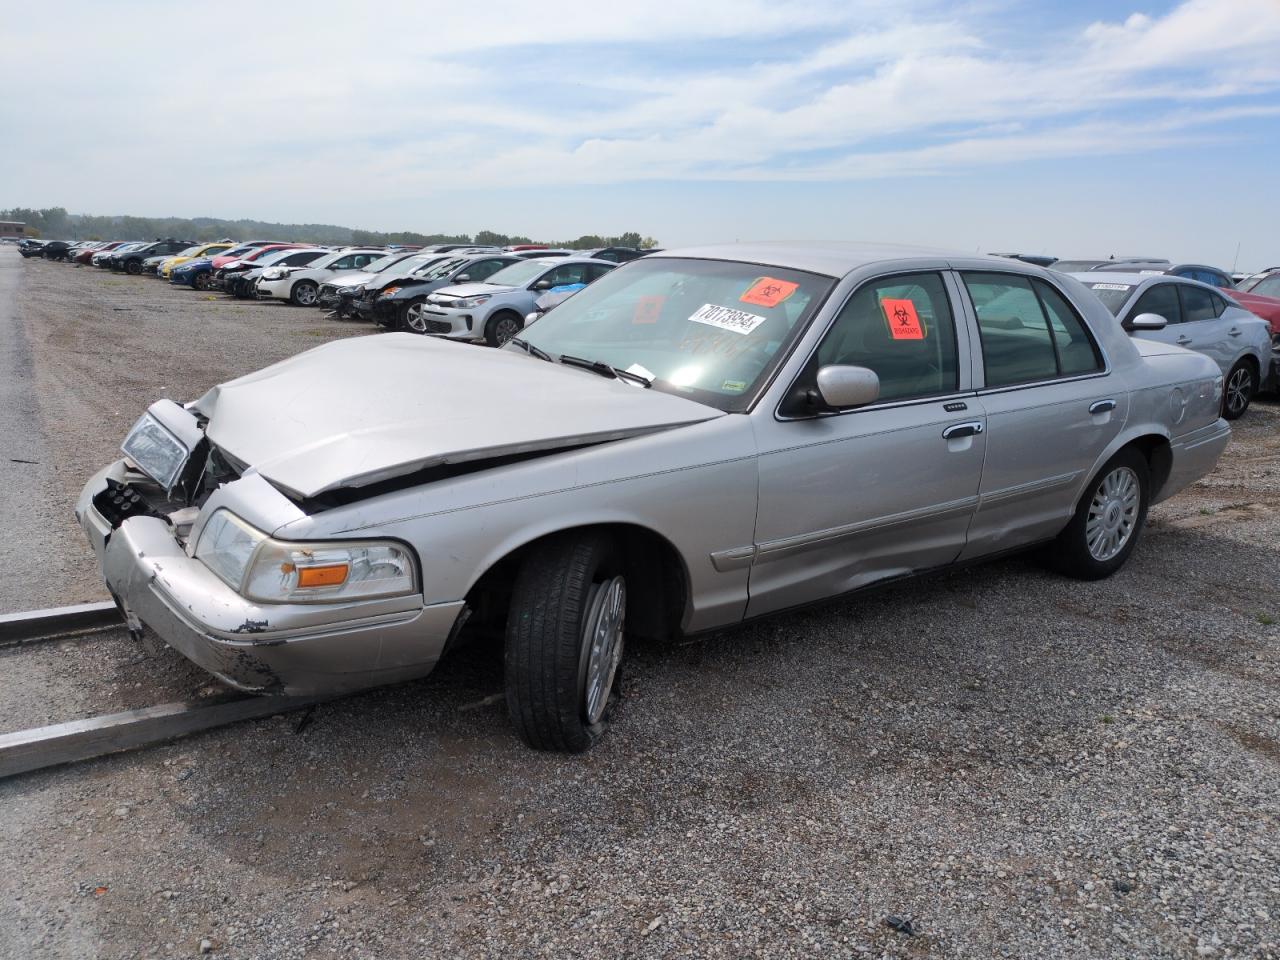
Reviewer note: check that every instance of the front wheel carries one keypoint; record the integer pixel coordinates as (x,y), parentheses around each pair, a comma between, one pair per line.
(1108,520)
(200,281)
(133,267)
(564,643)
(501,328)
(413,317)
(1238,391)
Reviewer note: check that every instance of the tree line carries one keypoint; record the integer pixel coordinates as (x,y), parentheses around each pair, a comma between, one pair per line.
(55,223)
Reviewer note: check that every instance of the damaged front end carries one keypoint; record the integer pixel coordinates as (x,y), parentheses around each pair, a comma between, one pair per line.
(183,536)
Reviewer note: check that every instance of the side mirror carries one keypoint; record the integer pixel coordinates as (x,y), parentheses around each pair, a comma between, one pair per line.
(1146,321)
(847,386)
(531,317)
(542,285)
(462,278)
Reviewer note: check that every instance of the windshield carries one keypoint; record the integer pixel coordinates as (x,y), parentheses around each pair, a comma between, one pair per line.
(1113,295)
(233,252)
(1268,286)
(434,270)
(710,330)
(275,256)
(1075,266)
(383,262)
(190,252)
(518,274)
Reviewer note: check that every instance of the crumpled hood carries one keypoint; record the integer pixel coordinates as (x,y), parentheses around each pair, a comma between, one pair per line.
(353,412)
(351,278)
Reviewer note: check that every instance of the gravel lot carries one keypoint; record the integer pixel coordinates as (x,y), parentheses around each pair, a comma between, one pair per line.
(1020,765)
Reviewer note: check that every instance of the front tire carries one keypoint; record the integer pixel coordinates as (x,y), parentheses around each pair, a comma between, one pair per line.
(501,327)
(412,317)
(133,267)
(565,633)
(200,281)
(1238,391)
(1107,521)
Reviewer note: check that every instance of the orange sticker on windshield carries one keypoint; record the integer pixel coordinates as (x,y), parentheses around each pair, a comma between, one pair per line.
(904,323)
(768,292)
(648,309)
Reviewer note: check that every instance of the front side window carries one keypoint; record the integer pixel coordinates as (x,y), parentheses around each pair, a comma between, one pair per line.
(902,328)
(1197,303)
(711,330)
(1162,300)
(484,269)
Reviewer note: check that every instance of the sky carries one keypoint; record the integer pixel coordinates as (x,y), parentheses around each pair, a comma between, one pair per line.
(1130,127)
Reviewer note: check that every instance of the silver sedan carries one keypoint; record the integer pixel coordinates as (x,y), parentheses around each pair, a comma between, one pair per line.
(699,438)
(1196,316)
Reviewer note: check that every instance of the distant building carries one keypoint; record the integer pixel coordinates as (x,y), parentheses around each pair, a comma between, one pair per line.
(12,228)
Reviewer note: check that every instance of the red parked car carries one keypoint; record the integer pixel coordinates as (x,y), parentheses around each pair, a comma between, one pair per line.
(85,254)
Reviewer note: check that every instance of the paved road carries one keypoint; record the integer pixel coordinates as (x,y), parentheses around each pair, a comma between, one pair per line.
(24,462)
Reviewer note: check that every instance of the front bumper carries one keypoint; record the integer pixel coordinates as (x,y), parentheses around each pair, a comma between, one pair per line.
(302,649)
(453,324)
(275,289)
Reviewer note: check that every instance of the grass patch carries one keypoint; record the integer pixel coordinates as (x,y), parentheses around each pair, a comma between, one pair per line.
(1266,619)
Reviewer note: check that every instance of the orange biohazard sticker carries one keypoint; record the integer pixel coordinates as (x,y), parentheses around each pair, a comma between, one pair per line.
(904,323)
(768,292)
(648,309)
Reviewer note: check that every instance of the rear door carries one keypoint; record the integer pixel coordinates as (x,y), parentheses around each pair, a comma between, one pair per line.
(1203,326)
(1051,408)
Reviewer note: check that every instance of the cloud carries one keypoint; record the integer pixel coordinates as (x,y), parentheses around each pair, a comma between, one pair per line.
(144,107)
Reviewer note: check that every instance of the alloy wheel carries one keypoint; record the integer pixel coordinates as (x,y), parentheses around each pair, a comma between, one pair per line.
(1113,514)
(1239,389)
(603,631)
(414,317)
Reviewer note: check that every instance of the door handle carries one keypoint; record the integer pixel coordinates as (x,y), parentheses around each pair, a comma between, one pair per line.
(1102,406)
(1234,331)
(1183,340)
(958,430)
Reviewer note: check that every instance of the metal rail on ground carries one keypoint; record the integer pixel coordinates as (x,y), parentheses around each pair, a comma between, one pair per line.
(26,750)
(33,626)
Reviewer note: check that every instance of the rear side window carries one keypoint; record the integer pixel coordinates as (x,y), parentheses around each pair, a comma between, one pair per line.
(1077,353)
(1016,344)
(903,329)
(1197,303)
(1162,300)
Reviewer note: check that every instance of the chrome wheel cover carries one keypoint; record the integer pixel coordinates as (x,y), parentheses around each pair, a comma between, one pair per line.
(1239,387)
(602,639)
(414,319)
(505,329)
(1113,514)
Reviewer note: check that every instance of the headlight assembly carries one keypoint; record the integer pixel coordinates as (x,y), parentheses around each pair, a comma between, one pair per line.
(467,303)
(276,571)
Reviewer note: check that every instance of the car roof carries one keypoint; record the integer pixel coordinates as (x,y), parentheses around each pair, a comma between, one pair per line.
(831,259)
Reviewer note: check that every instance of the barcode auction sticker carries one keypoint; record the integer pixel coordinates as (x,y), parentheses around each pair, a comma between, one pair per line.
(726,318)
(1110,286)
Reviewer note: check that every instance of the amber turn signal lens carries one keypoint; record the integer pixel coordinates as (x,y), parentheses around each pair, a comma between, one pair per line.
(329,576)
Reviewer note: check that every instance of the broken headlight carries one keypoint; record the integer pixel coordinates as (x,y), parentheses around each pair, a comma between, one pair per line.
(276,571)
(156,451)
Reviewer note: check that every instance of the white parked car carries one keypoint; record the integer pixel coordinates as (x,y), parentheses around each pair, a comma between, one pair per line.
(301,286)
(1196,316)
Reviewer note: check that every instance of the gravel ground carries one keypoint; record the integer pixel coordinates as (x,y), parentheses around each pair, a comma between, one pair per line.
(1017,764)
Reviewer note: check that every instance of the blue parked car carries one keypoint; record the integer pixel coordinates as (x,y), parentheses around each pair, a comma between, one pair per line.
(194,273)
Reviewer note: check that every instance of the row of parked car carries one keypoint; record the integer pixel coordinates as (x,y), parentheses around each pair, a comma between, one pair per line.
(468,292)
(458,291)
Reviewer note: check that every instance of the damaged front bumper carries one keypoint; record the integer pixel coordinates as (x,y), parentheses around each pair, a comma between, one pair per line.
(303,649)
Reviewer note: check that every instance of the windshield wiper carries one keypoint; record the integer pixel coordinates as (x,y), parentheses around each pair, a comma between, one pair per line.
(605,370)
(530,349)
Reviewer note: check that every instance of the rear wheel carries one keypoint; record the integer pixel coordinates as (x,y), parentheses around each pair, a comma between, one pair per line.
(1239,389)
(304,293)
(564,644)
(501,328)
(1108,520)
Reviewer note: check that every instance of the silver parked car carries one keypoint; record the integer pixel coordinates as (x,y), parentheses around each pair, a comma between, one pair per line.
(495,309)
(698,438)
(1196,316)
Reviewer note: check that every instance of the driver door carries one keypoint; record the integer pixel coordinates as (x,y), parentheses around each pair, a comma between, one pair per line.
(857,496)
